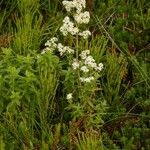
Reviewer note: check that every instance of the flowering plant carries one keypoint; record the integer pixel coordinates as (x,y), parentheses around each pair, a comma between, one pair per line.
(83,67)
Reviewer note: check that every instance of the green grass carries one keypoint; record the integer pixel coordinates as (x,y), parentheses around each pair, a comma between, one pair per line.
(112,113)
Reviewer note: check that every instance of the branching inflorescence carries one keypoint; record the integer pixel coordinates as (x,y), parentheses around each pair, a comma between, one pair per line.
(82,62)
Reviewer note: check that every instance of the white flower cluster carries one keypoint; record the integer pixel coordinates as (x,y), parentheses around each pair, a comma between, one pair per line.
(68,5)
(84,69)
(84,54)
(87,80)
(90,61)
(64,49)
(68,27)
(75,64)
(85,34)
(87,66)
(52,44)
(79,17)
(82,17)
(77,4)
(84,63)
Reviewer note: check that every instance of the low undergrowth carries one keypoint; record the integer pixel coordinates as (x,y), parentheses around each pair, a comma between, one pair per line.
(74,75)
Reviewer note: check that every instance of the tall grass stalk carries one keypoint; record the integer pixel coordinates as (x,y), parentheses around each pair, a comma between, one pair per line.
(29,27)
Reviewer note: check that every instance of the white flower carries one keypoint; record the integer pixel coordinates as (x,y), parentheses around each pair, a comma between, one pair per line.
(85,34)
(46,50)
(99,67)
(66,19)
(84,54)
(64,49)
(68,50)
(63,30)
(78,4)
(73,30)
(68,5)
(51,43)
(61,49)
(86,80)
(91,63)
(82,17)
(84,69)
(89,79)
(69,96)
(68,27)
(54,39)
(89,60)
(75,64)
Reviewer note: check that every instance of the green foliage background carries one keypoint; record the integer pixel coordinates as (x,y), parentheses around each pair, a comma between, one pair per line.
(34,112)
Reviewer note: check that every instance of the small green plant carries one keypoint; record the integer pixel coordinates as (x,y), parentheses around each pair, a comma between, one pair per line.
(89,140)
(27,85)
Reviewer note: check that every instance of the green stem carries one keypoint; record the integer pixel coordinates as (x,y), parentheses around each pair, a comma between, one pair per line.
(77,58)
(77,45)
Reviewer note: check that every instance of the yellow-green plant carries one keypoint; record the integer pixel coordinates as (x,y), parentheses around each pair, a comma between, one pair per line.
(27,90)
(89,140)
(29,27)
